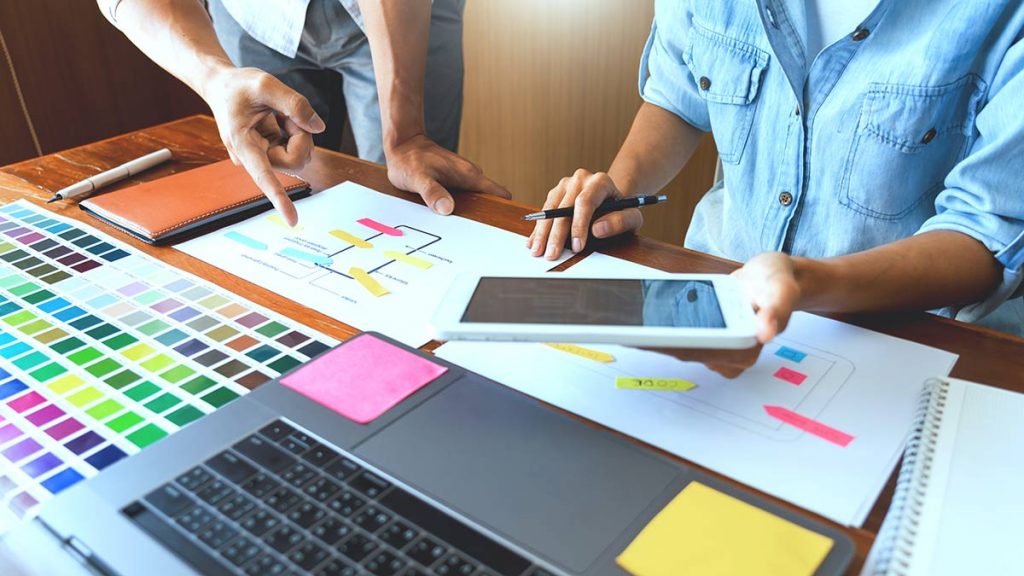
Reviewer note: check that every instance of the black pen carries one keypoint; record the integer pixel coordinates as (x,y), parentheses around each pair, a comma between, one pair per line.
(603,208)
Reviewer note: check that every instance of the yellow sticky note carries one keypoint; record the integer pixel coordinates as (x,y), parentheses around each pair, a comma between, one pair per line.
(371,285)
(276,219)
(589,354)
(632,383)
(350,238)
(410,260)
(703,531)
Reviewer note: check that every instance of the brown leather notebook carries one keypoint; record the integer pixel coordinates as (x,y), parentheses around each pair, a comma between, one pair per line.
(187,204)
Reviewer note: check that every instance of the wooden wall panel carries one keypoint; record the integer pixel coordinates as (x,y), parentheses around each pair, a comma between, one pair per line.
(82,79)
(15,137)
(551,86)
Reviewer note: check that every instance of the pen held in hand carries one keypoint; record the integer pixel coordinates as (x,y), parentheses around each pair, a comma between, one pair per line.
(603,208)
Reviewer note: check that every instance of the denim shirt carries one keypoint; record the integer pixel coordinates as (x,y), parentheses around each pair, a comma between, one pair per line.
(913,122)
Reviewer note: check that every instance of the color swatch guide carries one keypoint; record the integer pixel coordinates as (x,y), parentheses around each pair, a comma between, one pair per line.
(104,350)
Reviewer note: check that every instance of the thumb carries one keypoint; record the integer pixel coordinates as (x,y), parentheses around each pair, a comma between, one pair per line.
(617,223)
(434,196)
(293,105)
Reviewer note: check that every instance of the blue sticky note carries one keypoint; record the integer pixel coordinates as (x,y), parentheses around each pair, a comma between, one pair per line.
(790,354)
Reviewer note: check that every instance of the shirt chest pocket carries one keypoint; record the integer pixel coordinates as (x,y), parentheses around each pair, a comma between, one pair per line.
(908,139)
(728,74)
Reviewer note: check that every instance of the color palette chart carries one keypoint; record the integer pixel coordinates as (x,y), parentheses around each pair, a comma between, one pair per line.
(104,350)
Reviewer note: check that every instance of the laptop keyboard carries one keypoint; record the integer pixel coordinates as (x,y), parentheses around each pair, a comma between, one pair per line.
(279,502)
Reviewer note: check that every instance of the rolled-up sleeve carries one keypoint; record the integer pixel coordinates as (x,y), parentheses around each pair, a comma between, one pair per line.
(665,79)
(984,193)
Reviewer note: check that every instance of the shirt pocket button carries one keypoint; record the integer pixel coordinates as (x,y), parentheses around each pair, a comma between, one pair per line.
(705,83)
(928,136)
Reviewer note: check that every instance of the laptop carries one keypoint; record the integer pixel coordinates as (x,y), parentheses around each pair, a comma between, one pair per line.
(464,477)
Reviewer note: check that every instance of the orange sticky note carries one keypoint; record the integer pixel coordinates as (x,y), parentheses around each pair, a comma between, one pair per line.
(363,378)
(703,531)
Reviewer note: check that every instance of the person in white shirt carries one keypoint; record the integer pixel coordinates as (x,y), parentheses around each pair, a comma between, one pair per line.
(264,123)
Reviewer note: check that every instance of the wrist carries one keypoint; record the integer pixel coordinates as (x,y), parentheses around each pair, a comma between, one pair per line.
(817,280)
(401,116)
(209,72)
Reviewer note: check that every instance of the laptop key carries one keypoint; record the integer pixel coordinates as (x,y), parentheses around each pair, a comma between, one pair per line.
(283,538)
(455,565)
(295,445)
(282,499)
(264,453)
(236,506)
(169,500)
(322,489)
(426,551)
(399,534)
(194,479)
(260,485)
(371,519)
(308,555)
(384,563)
(306,514)
(266,565)
(331,530)
(346,503)
(370,484)
(276,430)
(336,567)
(195,519)
(240,551)
(171,536)
(319,455)
(230,466)
(298,475)
(259,522)
(215,491)
(342,469)
(356,547)
(217,534)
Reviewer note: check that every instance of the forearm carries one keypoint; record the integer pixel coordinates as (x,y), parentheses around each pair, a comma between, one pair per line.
(176,34)
(923,272)
(398,31)
(659,144)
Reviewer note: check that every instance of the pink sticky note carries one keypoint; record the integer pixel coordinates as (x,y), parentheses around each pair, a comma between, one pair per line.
(791,376)
(382,228)
(363,378)
(809,425)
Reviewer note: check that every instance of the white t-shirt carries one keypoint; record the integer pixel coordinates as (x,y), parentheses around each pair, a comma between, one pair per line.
(828,21)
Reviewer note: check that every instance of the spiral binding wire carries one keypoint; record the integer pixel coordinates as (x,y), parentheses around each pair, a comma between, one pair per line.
(896,538)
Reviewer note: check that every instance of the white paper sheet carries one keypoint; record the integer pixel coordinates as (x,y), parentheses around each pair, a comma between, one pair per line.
(311,265)
(856,381)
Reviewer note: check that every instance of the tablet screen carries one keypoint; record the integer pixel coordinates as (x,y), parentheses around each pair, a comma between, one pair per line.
(608,302)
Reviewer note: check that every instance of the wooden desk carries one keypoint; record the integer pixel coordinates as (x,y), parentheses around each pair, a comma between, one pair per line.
(985,356)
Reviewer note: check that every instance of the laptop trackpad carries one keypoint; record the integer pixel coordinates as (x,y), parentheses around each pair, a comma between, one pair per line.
(556,486)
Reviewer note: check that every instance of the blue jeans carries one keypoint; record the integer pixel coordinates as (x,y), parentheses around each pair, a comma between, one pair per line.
(334,71)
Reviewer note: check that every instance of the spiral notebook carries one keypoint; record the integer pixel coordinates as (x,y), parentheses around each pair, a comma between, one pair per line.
(959,502)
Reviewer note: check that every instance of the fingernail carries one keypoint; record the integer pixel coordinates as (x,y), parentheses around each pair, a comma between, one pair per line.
(552,251)
(577,245)
(444,206)
(318,123)
(601,229)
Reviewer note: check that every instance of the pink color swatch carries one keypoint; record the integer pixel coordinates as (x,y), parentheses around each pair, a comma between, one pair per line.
(30,400)
(363,378)
(64,428)
(791,376)
(809,425)
(382,228)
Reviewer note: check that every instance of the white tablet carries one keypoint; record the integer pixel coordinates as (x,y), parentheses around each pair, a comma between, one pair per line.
(670,310)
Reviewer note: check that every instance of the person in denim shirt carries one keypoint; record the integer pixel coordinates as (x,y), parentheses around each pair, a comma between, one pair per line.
(881,173)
